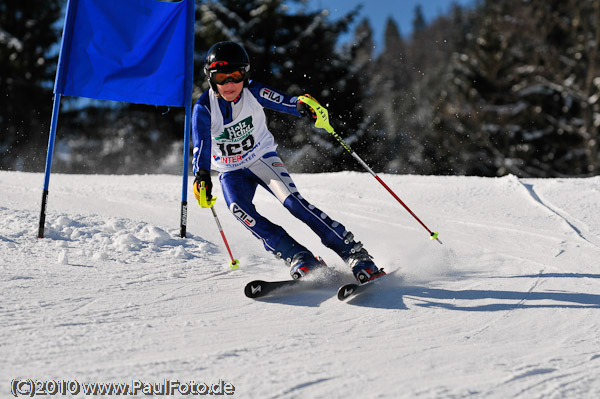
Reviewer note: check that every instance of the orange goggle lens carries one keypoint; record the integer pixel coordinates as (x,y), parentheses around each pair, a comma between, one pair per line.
(221,78)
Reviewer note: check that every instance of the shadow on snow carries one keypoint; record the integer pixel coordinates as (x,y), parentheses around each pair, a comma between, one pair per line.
(388,296)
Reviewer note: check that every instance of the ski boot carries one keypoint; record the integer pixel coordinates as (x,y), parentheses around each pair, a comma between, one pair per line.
(363,268)
(361,262)
(304,262)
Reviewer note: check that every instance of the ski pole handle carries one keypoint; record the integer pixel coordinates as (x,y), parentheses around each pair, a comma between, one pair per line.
(322,121)
(201,196)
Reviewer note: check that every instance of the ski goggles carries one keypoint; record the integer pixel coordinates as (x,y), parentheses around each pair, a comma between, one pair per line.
(221,78)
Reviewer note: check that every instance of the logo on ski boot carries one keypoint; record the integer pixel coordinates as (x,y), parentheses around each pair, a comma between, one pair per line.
(242,215)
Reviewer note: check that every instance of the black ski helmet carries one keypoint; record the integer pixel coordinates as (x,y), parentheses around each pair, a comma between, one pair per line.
(226,56)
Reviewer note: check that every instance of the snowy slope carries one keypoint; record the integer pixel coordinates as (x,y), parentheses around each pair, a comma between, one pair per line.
(507,307)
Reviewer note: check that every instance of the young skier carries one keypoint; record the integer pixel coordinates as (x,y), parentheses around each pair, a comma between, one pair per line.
(230,136)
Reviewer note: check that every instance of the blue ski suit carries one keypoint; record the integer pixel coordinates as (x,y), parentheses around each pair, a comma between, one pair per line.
(233,139)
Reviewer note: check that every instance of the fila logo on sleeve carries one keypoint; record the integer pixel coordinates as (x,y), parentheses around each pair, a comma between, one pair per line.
(271,95)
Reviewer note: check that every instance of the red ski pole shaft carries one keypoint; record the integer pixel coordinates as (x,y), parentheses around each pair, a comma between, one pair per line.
(433,235)
(209,203)
(234,262)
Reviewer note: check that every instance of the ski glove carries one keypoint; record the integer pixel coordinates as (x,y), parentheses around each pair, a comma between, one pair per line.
(203,176)
(305,109)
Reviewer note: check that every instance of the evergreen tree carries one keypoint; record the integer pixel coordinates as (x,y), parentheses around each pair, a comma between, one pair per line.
(362,44)
(418,23)
(421,65)
(392,103)
(28,35)
(521,98)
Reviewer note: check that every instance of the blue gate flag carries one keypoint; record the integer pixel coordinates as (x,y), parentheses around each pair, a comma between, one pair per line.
(138,51)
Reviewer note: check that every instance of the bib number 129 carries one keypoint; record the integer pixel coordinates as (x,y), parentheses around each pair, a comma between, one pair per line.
(230,149)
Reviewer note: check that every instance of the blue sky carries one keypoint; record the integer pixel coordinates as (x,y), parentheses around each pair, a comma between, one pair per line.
(378,11)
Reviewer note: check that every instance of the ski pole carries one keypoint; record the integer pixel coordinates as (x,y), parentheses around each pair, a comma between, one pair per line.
(323,123)
(204,203)
(234,264)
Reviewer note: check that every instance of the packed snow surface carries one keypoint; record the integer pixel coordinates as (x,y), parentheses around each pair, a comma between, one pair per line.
(508,306)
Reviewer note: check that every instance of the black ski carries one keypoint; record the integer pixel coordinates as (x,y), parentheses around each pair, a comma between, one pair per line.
(348,290)
(259,288)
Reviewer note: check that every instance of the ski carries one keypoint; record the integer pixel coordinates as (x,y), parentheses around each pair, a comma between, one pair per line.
(348,290)
(260,288)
